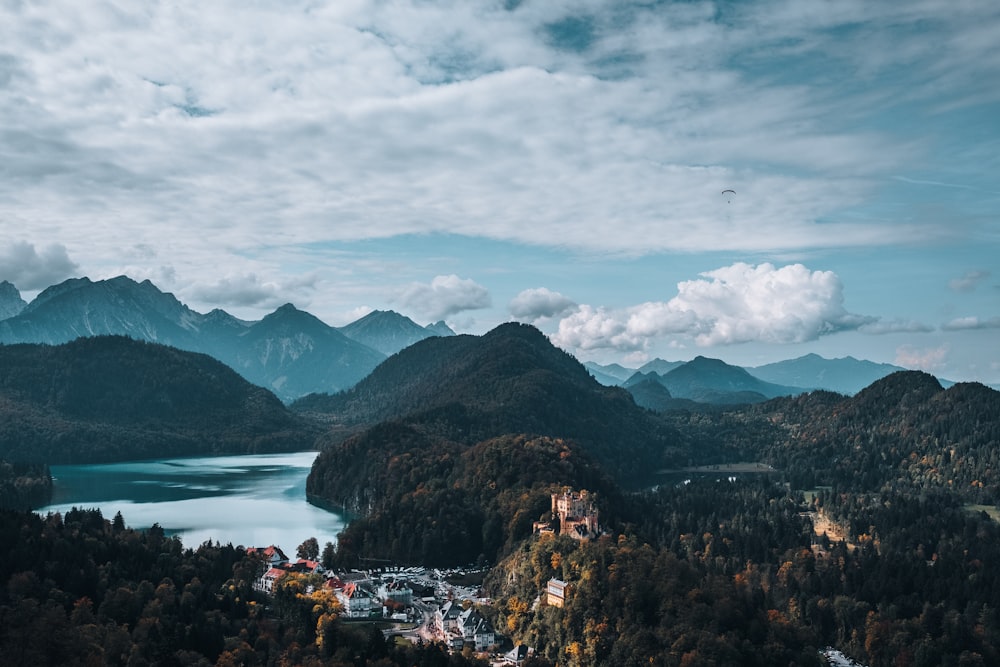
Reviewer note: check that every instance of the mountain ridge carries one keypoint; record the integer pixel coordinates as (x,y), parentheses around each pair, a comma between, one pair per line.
(108,398)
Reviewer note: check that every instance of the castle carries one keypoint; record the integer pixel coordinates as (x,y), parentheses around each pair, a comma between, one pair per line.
(577,515)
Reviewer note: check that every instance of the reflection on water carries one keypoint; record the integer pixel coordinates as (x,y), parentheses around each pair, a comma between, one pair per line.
(252,500)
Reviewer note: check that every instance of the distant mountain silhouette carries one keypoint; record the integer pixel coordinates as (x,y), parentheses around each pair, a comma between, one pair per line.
(289,352)
(439,328)
(510,380)
(110,398)
(293,353)
(389,332)
(660,366)
(846,375)
(609,375)
(79,307)
(714,381)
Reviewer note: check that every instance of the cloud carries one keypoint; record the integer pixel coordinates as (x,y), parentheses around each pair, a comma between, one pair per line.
(532,305)
(735,304)
(478,120)
(926,359)
(881,326)
(30,269)
(444,296)
(240,291)
(972,322)
(969,281)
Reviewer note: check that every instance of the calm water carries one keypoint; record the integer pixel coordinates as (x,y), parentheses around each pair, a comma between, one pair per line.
(253,500)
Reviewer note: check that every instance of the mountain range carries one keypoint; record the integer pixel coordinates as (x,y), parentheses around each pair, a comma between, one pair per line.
(289,351)
(721,384)
(293,353)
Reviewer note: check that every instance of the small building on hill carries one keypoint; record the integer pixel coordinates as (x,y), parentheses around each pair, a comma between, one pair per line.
(355,599)
(271,555)
(266,582)
(555,592)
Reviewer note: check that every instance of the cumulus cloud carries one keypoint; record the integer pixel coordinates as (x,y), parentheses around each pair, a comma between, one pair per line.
(969,281)
(444,296)
(972,322)
(925,359)
(734,304)
(532,305)
(29,268)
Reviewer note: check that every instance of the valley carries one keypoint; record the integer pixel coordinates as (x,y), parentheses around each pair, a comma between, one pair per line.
(447,455)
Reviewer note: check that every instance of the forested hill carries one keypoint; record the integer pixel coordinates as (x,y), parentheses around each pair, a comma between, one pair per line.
(426,501)
(904,430)
(113,398)
(511,380)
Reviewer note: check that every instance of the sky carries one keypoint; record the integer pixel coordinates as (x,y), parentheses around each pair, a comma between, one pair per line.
(552,162)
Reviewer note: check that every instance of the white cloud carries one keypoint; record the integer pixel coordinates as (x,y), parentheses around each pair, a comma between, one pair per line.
(29,268)
(972,322)
(969,281)
(925,359)
(154,122)
(532,305)
(735,304)
(240,291)
(443,297)
(890,326)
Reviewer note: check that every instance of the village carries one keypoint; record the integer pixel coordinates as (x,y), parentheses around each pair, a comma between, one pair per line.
(421,604)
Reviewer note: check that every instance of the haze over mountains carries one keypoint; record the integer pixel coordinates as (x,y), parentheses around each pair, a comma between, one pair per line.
(290,352)
(713,381)
(293,353)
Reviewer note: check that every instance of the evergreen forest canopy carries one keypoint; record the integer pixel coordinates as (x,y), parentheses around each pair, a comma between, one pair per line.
(451,450)
(111,398)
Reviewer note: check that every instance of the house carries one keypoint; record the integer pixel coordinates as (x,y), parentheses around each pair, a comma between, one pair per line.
(446,617)
(267,580)
(476,629)
(272,555)
(516,656)
(356,601)
(308,566)
(397,591)
(555,592)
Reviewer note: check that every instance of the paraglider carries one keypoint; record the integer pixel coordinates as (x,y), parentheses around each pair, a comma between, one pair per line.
(729,194)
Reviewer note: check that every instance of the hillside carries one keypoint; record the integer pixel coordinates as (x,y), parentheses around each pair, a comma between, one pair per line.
(423,500)
(510,380)
(904,430)
(112,398)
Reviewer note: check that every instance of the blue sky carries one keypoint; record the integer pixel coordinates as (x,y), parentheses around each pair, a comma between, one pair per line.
(555,162)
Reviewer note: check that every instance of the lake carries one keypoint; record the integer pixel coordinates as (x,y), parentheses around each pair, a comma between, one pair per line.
(253,500)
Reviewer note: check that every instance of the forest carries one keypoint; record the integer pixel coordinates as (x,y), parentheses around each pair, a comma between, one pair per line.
(82,590)
(717,569)
(111,398)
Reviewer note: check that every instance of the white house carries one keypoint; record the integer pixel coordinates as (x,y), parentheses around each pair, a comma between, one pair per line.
(356,601)
(476,629)
(268,579)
